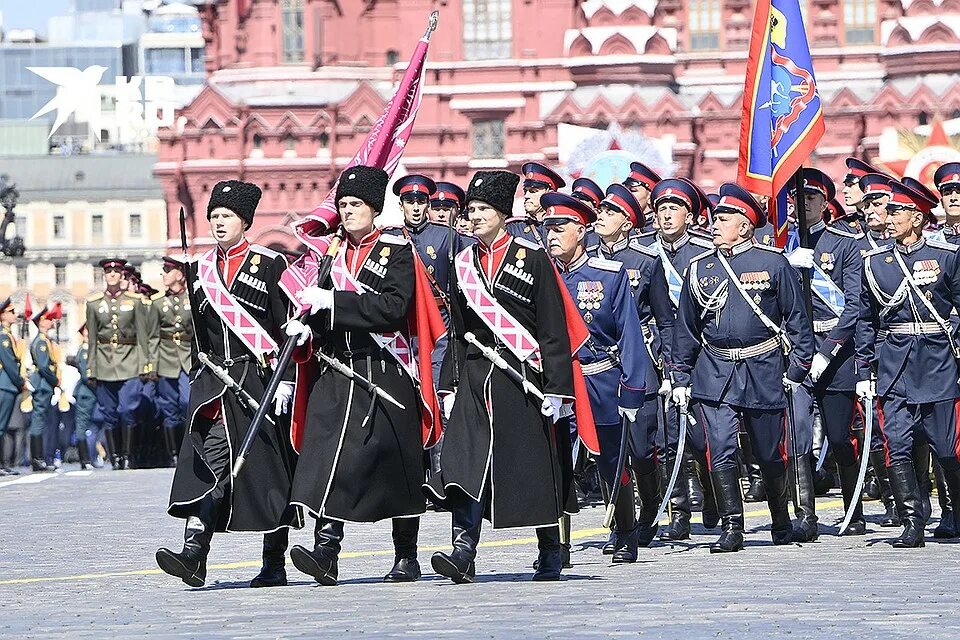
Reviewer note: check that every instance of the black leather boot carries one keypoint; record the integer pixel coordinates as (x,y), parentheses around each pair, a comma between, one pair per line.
(948,488)
(459,565)
(321,563)
(273,573)
(805,529)
(190,565)
(921,462)
(709,513)
(126,458)
(694,490)
(37,462)
(84,452)
(111,445)
(781,529)
(726,487)
(170,446)
(549,562)
(757,490)
(848,483)
(680,503)
(648,489)
(878,461)
(626,529)
(405,565)
(903,481)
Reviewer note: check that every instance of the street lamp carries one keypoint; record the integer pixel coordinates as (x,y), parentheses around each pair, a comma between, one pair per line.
(12,247)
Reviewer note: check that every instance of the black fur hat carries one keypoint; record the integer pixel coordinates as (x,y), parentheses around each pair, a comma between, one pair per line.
(496,188)
(240,197)
(367,183)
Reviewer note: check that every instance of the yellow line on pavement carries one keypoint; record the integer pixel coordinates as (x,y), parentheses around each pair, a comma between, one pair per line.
(510,542)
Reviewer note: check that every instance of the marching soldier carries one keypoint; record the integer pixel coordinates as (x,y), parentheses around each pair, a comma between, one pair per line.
(362,444)
(741,327)
(119,328)
(446,203)
(45,380)
(835,266)
(676,201)
(905,340)
(11,380)
(237,314)
(170,357)
(503,455)
(852,191)
(947,180)
(538,179)
(86,401)
(614,360)
(641,181)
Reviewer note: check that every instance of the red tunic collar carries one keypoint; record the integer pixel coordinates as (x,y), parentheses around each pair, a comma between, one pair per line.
(230,260)
(357,252)
(492,257)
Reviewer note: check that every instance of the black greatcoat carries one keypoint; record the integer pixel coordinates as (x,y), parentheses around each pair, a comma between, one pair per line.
(259,499)
(496,438)
(355,472)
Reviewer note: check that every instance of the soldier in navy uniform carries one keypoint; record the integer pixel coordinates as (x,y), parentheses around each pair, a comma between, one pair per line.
(538,179)
(86,401)
(503,456)
(446,203)
(617,217)
(675,201)
(587,191)
(641,181)
(742,327)
(615,362)
(947,180)
(852,192)
(11,380)
(835,271)
(907,353)
(235,280)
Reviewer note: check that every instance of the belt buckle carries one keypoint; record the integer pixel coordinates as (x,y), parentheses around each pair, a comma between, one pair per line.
(228,362)
(114,341)
(176,338)
(736,354)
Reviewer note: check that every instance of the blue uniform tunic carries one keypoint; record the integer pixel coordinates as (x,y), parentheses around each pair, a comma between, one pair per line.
(11,382)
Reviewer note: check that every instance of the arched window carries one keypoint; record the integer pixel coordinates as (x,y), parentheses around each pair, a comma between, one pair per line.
(291,20)
(393,56)
(257,141)
(860,21)
(704,20)
(487,31)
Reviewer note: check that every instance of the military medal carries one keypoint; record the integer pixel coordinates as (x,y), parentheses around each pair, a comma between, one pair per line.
(431,252)
(384,255)
(521,254)
(255,260)
(827,261)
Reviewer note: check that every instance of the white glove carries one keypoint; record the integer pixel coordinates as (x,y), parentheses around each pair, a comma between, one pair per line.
(281,400)
(29,386)
(801,258)
(55,398)
(681,397)
(666,388)
(866,390)
(316,298)
(447,400)
(296,328)
(551,407)
(629,414)
(820,364)
(788,384)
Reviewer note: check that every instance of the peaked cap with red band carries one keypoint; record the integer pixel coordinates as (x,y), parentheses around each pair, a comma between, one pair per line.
(448,195)
(818,182)
(560,208)
(642,174)
(834,211)
(677,190)
(921,188)
(903,197)
(587,190)
(736,199)
(414,184)
(856,169)
(50,313)
(947,175)
(112,263)
(874,185)
(538,176)
(620,197)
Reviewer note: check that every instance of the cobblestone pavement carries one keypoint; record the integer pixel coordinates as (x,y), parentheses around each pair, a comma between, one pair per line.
(77,562)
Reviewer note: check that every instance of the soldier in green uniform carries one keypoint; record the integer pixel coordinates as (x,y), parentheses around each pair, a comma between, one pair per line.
(118,323)
(11,380)
(86,401)
(170,353)
(44,380)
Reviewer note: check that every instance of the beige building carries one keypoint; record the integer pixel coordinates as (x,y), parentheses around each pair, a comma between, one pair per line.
(74,211)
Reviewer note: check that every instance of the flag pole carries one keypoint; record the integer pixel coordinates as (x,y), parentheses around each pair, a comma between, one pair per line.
(800,207)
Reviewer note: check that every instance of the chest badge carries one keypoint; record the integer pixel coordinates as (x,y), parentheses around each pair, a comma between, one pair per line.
(634,277)
(926,271)
(755,280)
(589,295)
(384,256)
(521,254)
(827,261)
(431,252)
(255,262)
